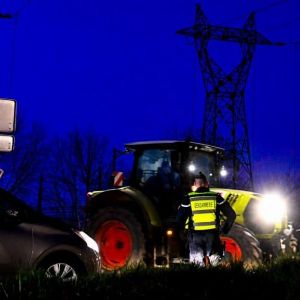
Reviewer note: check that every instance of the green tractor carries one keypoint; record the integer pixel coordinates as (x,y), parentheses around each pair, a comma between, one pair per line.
(135,223)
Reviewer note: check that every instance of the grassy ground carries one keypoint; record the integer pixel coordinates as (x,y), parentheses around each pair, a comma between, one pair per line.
(277,280)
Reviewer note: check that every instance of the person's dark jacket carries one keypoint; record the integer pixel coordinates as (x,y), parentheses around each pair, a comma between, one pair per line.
(184,212)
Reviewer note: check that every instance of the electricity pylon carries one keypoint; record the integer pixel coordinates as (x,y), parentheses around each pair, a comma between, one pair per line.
(225,122)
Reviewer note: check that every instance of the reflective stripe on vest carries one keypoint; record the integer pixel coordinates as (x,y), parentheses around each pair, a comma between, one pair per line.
(203,207)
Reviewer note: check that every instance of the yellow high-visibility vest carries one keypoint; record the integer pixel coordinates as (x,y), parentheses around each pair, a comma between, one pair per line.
(203,206)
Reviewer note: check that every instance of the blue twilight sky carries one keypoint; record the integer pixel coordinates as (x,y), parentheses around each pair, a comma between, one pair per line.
(120,68)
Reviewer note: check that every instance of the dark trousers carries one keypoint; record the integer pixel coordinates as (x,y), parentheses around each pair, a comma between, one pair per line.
(203,243)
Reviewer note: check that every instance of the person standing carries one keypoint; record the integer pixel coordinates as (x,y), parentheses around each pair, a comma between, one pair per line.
(199,213)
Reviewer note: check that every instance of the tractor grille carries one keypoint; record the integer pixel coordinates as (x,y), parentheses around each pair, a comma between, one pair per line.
(253,222)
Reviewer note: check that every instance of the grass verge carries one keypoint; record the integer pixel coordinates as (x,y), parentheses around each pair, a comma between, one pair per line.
(277,280)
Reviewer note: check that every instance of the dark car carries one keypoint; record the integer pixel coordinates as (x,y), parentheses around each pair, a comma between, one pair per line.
(30,240)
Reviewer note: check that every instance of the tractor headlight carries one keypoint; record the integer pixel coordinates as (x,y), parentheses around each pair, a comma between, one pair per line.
(272,208)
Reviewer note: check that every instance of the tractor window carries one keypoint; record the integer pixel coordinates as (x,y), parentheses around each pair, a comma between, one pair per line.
(159,178)
(151,162)
(204,162)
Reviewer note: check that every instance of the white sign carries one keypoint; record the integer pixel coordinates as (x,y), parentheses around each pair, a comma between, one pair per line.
(7,115)
(6,143)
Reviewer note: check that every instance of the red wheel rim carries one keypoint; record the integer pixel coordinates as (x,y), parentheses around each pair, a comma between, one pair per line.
(115,242)
(233,248)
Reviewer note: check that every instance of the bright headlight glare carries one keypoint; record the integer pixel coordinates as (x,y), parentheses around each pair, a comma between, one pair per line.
(89,241)
(272,208)
(191,167)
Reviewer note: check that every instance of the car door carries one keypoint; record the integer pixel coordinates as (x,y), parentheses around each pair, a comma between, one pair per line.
(15,235)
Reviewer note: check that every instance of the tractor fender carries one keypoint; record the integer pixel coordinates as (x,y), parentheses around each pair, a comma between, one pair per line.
(123,196)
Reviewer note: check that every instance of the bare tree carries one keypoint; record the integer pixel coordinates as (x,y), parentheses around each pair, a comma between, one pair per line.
(78,165)
(22,166)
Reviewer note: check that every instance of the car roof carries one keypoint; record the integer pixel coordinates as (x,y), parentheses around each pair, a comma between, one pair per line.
(10,196)
(172,144)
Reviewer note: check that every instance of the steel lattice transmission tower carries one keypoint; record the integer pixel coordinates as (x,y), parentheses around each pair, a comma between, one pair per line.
(225,122)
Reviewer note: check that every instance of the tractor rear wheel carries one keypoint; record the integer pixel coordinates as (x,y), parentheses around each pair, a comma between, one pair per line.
(241,245)
(119,237)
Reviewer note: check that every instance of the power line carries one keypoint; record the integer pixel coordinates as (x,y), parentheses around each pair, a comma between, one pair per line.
(294,43)
(259,10)
(270,6)
(282,25)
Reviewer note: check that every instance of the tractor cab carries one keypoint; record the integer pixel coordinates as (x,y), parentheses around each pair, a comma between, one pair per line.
(164,170)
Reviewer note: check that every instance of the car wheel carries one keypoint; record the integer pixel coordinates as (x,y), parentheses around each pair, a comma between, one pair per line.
(65,271)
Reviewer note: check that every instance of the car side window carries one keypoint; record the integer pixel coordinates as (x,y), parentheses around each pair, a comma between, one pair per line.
(10,209)
(4,210)
(150,164)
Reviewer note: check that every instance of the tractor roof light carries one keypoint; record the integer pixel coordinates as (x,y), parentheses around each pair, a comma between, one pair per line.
(223,172)
(191,167)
